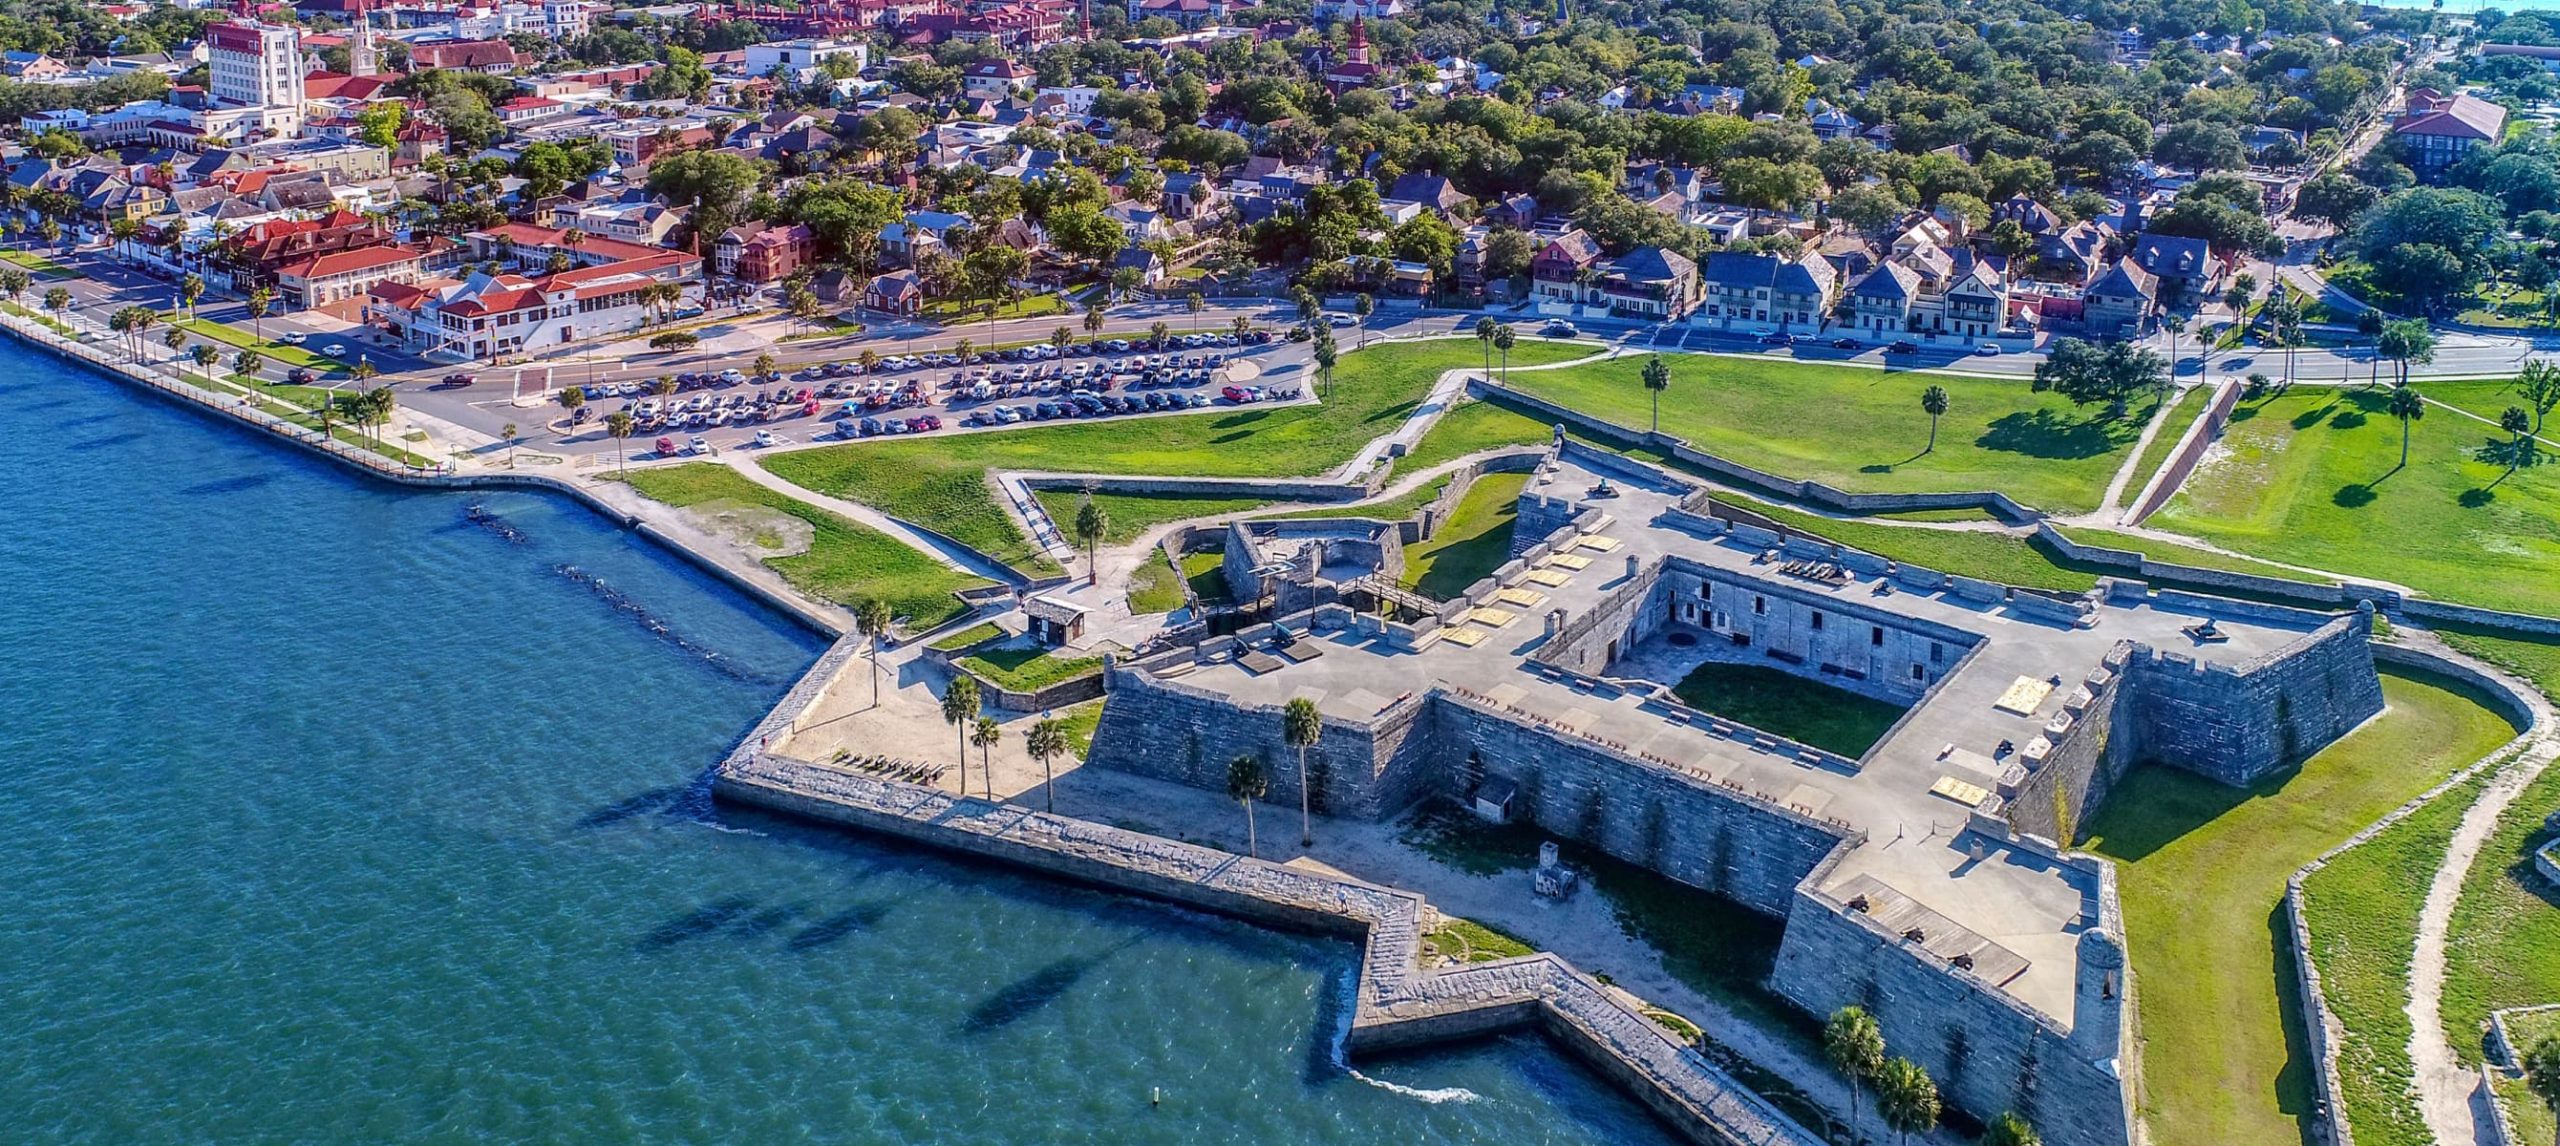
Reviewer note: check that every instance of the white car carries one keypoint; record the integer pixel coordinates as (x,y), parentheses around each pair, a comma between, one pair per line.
(293,338)
(1988,349)
(765,438)
(335,350)
(699,445)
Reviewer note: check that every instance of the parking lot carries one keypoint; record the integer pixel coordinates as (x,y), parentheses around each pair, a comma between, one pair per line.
(925,393)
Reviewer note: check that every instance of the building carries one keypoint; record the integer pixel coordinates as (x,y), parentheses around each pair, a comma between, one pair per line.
(493,57)
(2184,266)
(763,254)
(898,292)
(258,65)
(1355,70)
(342,275)
(2121,300)
(797,56)
(2438,129)
(489,316)
(1650,282)
(997,79)
(1766,291)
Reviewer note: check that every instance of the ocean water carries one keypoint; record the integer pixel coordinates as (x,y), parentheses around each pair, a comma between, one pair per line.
(329,813)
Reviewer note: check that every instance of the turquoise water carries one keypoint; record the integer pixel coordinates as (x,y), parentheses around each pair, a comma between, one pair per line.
(329,815)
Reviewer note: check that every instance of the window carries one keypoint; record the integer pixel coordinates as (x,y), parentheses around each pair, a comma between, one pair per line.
(1875,636)
(1916,674)
(1817,621)
(1759,605)
(1937,653)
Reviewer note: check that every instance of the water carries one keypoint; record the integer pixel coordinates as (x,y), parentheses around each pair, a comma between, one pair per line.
(329,813)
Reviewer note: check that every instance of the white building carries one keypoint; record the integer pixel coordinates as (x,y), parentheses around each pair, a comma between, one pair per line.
(489,316)
(258,65)
(797,56)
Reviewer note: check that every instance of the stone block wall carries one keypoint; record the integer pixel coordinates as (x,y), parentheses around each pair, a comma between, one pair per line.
(2083,768)
(1167,730)
(1890,656)
(2238,724)
(1590,642)
(1538,516)
(1987,1052)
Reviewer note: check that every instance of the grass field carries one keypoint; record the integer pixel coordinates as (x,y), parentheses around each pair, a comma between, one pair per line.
(942,481)
(962,311)
(43,267)
(1079,723)
(1026,668)
(272,351)
(1128,516)
(2202,872)
(1475,540)
(1156,586)
(967,637)
(1472,426)
(2175,553)
(845,562)
(2182,414)
(1782,703)
(1206,574)
(2503,947)
(1863,430)
(2310,478)
(2363,911)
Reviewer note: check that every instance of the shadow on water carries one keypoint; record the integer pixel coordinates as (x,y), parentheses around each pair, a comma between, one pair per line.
(654,802)
(767,921)
(1034,992)
(820,934)
(478,515)
(622,603)
(698,923)
(230,485)
(86,420)
(108,442)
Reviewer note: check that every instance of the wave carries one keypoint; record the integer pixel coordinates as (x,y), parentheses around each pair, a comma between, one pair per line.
(1341,1054)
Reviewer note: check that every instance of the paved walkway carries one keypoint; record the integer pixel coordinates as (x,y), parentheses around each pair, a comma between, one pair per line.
(958,557)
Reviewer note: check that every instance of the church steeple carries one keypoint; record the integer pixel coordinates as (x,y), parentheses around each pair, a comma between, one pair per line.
(1357,51)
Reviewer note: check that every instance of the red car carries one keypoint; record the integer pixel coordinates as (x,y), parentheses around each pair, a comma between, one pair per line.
(666,447)
(1236,394)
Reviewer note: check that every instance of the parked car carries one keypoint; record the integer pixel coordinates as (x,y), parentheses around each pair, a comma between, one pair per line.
(699,445)
(1903,347)
(1560,329)
(1988,349)
(765,439)
(1236,394)
(1846,344)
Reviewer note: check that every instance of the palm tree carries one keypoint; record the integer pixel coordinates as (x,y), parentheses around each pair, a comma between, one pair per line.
(1047,741)
(1854,1044)
(764,367)
(191,288)
(2011,1130)
(962,349)
(205,356)
(175,340)
(508,432)
(1193,304)
(2542,1072)
(1246,784)
(960,710)
(1301,726)
(1091,523)
(871,619)
(247,362)
(14,282)
(57,299)
(1657,378)
(1934,402)
(1060,338)
(1503,337)
(2519,448)
(1093,319)
(1160,333)
(1362,306)
(1243,326)
(2175,325)
(2408,407)
(259,301)
(1308,307)
(361,371)
(1484,334)
(984,734)
(1907,1099)
(618,424)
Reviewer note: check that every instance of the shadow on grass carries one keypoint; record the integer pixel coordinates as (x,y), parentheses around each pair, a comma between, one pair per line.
(1463,563)
(2355,495)
(2294,1096)
(2045,434)
(2156,805)
(2476,498)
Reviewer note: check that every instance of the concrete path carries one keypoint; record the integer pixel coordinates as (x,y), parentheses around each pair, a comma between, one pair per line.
(2447,1090)
(957,557)
(2109,507)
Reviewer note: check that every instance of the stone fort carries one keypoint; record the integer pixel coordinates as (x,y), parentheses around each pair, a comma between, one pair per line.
(1928,880)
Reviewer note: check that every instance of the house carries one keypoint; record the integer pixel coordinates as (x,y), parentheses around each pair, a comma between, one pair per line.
(1650,282)
(1516,211)
(32,67)
(2184,266)
(2121,301)
(1430,189)
(1561,263)
(1188,196)
(1148,264)
(2076,253)
(341,275)
(2438,130)
(1766,291)
(2031,216)
(836,287)
(897,292)
(488,316)
(1395,278)
(768,254)
(997,79)
(492,57)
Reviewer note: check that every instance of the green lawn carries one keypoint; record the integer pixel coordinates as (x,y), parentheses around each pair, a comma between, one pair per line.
(1128,516)
(272,351)
(1156,586)
(942,482)
(967,637)
(2532,1119)
(1206,574)
(1862,430)
(2171,551)
(967,310)
(2487,398)
(1026,668)
(1393,509)
(2504,947)
(1474,542)
(1467,941)
(43,267)
(2363,910)
(1079,723)
(2002,557)
(1472,426)
(1784,704)
(2309,478)
(845,562)
(2202,872)
(2172,428)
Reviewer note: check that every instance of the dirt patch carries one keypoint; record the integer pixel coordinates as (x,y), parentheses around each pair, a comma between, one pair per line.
(762,531)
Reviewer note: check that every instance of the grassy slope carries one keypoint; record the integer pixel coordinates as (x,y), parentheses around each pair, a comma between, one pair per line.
(1026,669)
(942,481)
(1475,540)
(1129,515)
(2172,428)
(1998,557)
(2308,478)
(2171,551)
(1861,429)
(2363,909)
(845,562)
(1156,586)
(2202,876)
(2504,949)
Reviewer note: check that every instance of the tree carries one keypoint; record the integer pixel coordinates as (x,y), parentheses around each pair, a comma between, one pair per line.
(1657,378)
(175,339)
(960,710)
(1362,306)
(2176,325)
(764,367)
(1246,784)
(619,425)
(260,300)
(191,288)
(1503,338)
(1047,741)
(205,356)
(14,283)
(2087,373)
(1325,354)
(2539,386)
(1159,334)
(2406,343)
(1301,726)
(57,299)
(2519,425)
(1092,521)
(247,362)
(1907,1098)
(1933,401)
(1854,1045)
(1484,334)
(984,734)
(871,618)
(2542,1072)
(507,434)
(2011,1130)
(1093,319)
(963,350)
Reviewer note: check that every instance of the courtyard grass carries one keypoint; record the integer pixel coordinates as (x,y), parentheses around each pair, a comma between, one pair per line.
(1206,574)
(845,563)
(1784,704)
(1026,668)
(966,637)
(943,481)
(1128,516)
(2202,869)
(1156,586)
(2363,912)
(1473,542)
(2312,478)
(1862,429)
(1079,724)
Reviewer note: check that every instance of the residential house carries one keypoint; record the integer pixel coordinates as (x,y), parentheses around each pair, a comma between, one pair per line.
(897,292)
(2077,253)
(2185,267)
(1150,266)
(1516,211)
(1766,291)
(2120,301)
(997,79)
(1650,282)
(765,254)
(1561,267)
(1430,189)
